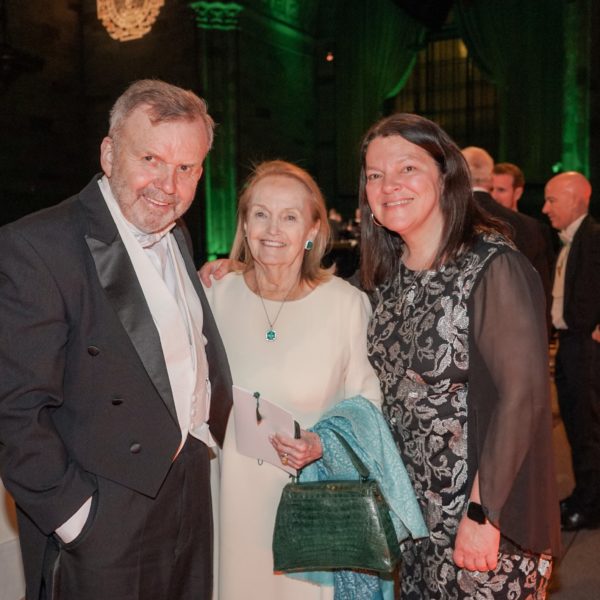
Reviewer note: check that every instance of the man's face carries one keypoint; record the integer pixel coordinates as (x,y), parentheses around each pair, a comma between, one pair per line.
(504,192)
(561,204)
(154,169)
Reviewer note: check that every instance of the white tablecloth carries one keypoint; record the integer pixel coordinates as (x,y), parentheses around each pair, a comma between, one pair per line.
(12,586)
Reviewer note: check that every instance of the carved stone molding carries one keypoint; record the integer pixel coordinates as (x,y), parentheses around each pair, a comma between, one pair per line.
(222,16)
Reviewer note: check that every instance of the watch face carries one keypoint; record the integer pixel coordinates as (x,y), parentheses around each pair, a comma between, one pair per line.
(475,513)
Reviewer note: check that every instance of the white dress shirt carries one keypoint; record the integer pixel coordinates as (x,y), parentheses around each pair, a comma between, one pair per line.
(558,289)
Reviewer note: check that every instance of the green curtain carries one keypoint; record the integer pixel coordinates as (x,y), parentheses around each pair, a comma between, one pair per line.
(376,49)
(576,112)
(519,46)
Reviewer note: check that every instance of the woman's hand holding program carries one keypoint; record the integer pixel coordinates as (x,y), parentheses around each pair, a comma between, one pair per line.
(298,452)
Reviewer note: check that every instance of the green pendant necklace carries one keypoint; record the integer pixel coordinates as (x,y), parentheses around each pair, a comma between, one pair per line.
(271,334)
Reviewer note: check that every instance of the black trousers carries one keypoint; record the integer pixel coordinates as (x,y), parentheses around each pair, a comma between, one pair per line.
(139,548)
(577,378)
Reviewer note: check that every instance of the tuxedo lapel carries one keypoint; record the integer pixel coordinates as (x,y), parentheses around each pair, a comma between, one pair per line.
(209,328)
(119,280)
(220,376)
(574,259)
(182,243)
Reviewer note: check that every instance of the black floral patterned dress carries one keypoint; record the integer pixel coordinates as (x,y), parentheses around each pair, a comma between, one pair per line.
(419,341)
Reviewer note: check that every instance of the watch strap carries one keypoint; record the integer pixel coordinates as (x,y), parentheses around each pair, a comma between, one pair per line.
(475,512)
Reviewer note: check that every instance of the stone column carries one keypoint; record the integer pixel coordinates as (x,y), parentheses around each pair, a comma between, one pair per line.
(218,25)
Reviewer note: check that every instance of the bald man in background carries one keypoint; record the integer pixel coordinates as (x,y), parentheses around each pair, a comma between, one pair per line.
(527,232)
(576,317)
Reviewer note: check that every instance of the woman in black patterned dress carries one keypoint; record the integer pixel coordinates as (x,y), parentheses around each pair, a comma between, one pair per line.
(458,340)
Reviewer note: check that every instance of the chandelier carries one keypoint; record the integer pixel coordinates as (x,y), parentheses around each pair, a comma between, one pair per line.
(128,19)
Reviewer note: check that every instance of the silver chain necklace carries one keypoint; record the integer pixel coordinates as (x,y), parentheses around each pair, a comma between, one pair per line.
(271,334)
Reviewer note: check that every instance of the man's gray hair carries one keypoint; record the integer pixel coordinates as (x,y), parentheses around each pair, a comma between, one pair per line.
(165,102)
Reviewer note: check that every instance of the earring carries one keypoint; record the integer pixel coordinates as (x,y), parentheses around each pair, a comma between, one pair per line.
(308,245)
(375,221)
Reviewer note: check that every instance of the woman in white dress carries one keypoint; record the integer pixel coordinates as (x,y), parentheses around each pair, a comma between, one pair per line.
(295,333)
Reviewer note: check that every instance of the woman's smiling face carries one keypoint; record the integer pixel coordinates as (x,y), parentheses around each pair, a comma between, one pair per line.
(404,186)
(279,221)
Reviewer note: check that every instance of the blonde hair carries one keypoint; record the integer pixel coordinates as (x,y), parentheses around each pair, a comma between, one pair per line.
(311,271)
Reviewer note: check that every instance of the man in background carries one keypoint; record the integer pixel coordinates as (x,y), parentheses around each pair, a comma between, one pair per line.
(527,232)
(576,317)
(114,382)
(508,183)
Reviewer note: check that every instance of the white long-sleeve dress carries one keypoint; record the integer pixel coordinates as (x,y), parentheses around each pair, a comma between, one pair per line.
(318,358)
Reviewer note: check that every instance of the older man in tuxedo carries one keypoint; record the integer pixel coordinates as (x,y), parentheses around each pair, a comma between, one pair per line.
(576,317)
(114,383)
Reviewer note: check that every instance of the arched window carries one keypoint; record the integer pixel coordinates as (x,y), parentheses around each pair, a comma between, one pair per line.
(447,87)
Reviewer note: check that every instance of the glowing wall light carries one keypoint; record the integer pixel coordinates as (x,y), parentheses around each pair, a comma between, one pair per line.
(128,19)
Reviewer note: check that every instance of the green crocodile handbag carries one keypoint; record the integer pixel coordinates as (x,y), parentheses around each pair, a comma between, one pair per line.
(322,525)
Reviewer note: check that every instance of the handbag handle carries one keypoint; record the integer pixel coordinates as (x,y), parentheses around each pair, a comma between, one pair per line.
(358,464)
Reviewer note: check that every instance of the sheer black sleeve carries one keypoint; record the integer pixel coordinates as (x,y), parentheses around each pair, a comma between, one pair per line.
(509,403)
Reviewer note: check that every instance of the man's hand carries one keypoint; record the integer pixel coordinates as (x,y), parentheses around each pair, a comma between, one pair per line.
(217,268)
(476,546)
(596,334)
